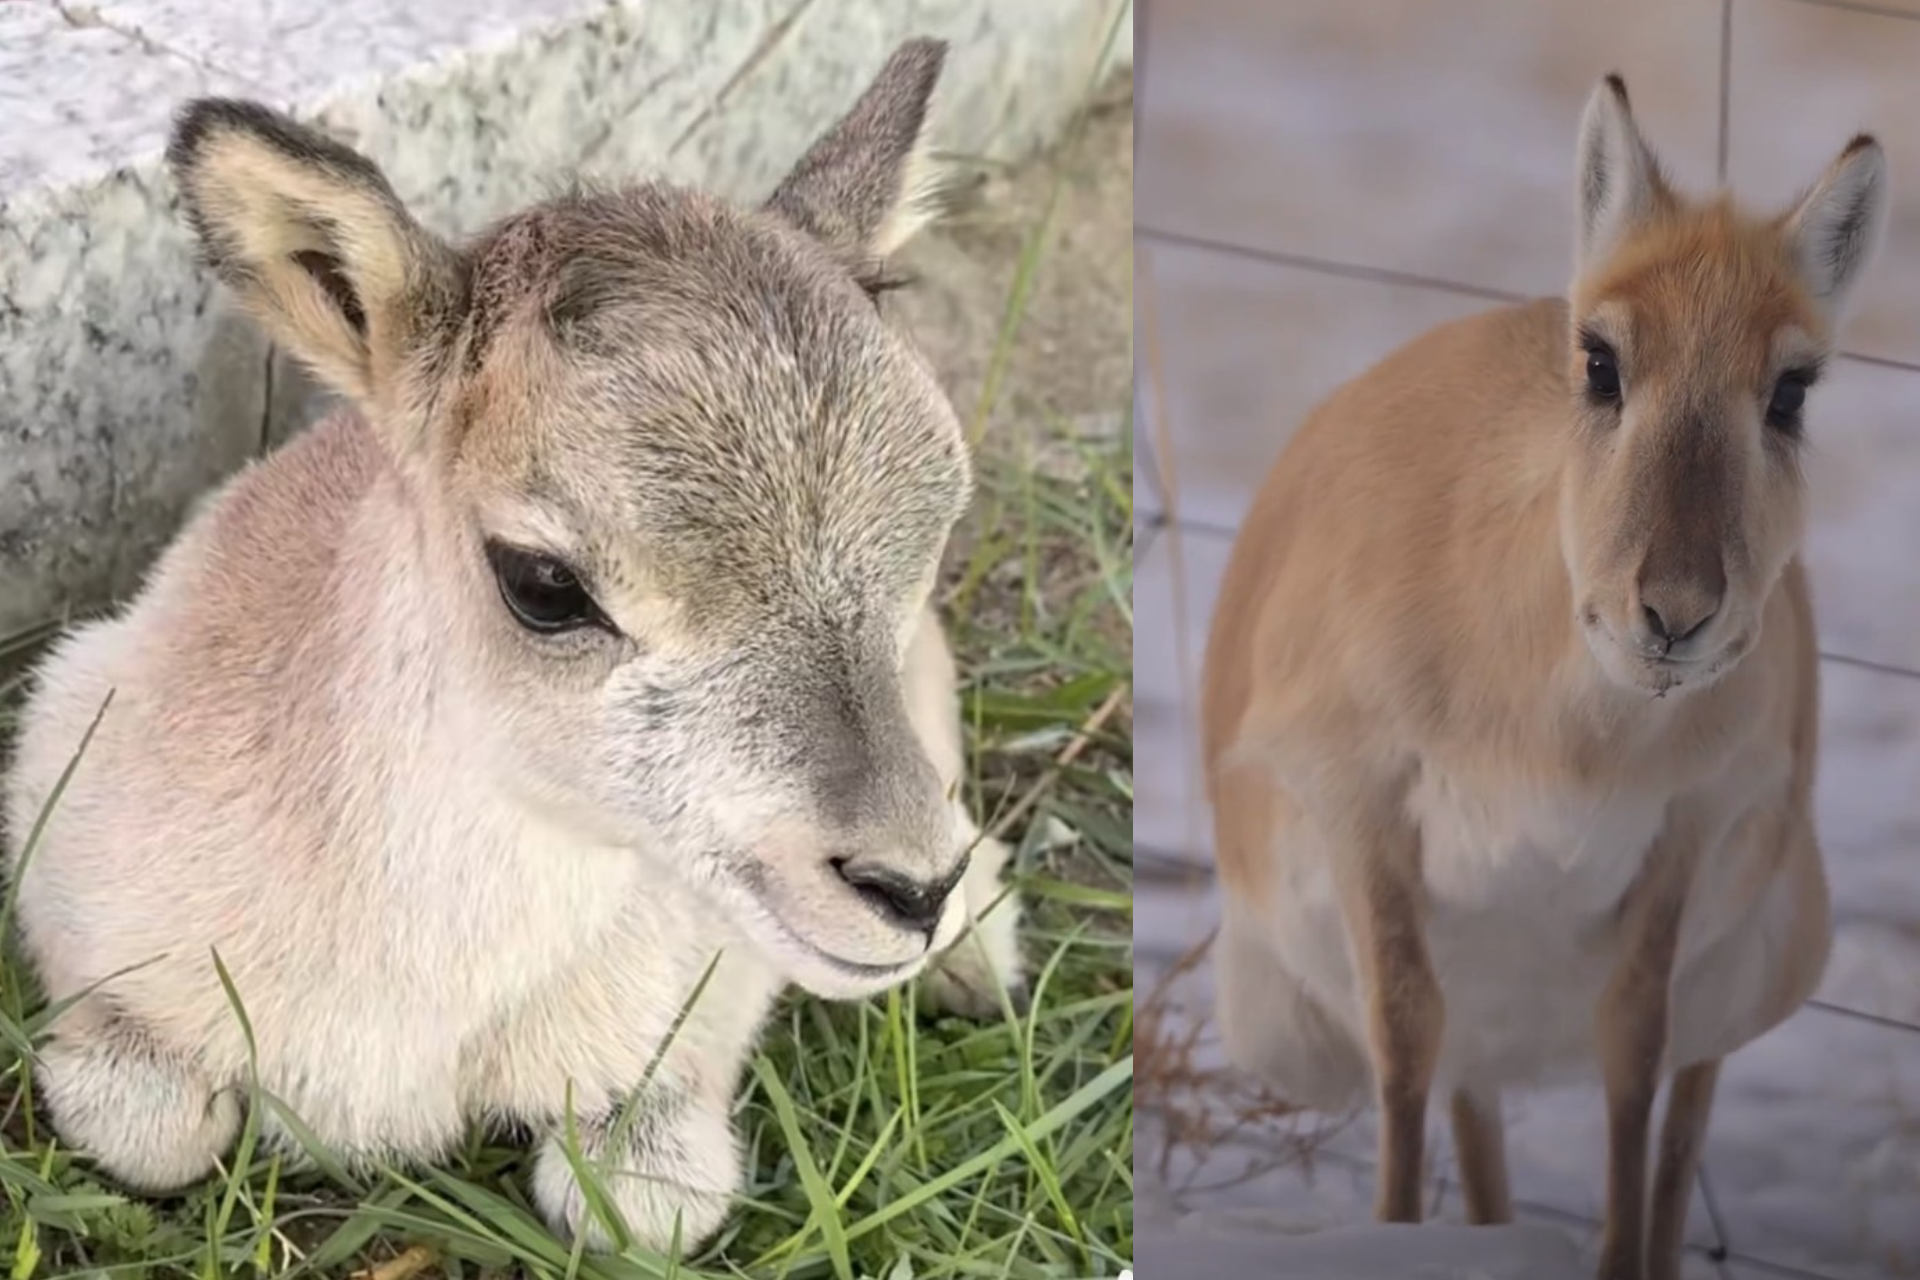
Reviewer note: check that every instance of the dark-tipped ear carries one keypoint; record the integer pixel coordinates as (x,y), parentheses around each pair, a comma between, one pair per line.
(869,184)
(1619,179)
(313,241)
(1839,223)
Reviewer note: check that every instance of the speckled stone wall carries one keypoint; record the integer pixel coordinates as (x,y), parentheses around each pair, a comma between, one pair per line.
(127,389)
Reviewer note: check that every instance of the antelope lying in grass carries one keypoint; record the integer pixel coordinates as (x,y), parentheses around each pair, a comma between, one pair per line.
(470,727)
(1510,701)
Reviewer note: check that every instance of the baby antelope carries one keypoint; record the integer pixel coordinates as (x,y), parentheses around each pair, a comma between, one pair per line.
(1510,702)
(589,648)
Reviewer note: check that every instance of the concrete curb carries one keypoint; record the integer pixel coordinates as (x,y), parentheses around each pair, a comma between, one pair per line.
(127,389)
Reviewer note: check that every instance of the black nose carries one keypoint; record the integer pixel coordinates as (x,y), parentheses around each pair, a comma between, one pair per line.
(899,899)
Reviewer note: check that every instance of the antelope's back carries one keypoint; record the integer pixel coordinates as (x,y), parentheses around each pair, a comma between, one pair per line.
(1372,544)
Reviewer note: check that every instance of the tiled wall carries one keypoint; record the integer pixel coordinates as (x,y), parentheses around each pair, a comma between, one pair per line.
(1321,180)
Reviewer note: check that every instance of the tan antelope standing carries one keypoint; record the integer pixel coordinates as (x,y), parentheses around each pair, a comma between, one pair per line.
(1510,702)
(592,642)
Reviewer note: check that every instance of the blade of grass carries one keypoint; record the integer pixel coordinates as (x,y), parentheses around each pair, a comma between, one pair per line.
(1083,1098)
(242,1159)
(826,1206)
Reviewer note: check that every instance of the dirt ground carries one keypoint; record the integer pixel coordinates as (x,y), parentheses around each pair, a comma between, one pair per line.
(1072,360)
(1062,395)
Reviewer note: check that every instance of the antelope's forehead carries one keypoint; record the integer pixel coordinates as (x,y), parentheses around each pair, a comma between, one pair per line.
(658,374)
(1708,288)
(720,448)
(768,463)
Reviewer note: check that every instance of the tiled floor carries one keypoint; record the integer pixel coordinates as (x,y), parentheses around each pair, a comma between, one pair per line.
(1320,180)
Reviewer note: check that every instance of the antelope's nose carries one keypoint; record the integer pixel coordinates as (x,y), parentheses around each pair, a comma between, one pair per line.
(1680,588)
(1674,622)
(896,897)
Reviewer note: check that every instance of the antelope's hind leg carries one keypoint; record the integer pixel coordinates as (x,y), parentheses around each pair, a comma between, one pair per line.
(150,1119)
(1274,1029)
(1271,1024)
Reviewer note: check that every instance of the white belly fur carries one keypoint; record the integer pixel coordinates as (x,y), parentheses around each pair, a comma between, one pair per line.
(1522,888)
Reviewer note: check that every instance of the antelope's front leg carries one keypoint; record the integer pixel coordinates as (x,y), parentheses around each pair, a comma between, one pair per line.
(1632,1026)
(985,960)
(571,1065)
(669,1166)
(1405,1012)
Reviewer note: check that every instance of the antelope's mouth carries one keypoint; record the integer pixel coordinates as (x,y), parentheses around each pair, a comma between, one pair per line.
(763,906)
(852,968)
(1638,669)
(745,884)
(1662,674)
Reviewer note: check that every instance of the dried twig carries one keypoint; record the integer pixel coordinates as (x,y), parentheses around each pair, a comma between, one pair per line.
(1201,1108)
(409,1262)
(1085,734)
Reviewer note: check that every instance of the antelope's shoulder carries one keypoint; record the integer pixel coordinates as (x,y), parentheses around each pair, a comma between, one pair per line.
(1457,374)
(1388,522)
(293,505)
(1458,418)
(252,572)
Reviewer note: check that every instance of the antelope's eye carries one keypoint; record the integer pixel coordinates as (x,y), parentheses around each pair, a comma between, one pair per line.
(1603,372)
(540,592)
(1789,397)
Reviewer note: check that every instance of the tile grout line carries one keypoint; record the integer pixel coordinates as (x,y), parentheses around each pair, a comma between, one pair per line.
(1164,867)
(1881,362)
(1185,731)
(1868,664)
(1714,1217)
(1144,540)
(1169,868)
(1786,1271)
(1572,1219)
(1205,529)
(1860,1015)
(1324,266)
(1187,524)
(1150,463)
(1409,279)
(1860,6)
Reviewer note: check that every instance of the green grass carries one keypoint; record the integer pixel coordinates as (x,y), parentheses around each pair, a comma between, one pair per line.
(883,1142)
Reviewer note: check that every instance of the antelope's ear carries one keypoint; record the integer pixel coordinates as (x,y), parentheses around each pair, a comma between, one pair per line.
(1838,224)
(868,185)
(1620,183)
(312,239)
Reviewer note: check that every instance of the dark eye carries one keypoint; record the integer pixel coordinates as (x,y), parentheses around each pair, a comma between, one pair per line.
(880,283)
(1603,372)
(1789,397)
(543,594)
